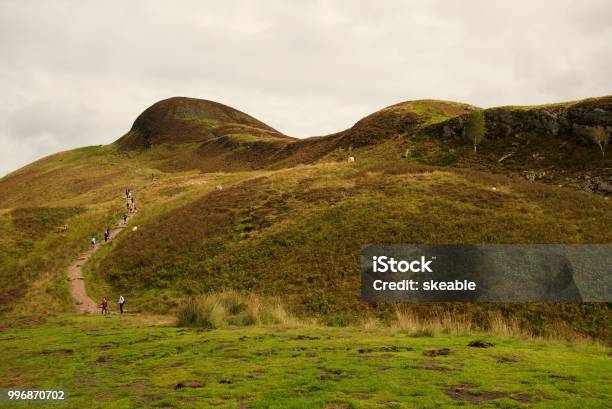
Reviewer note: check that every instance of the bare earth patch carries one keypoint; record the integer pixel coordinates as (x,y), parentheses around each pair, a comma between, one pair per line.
(188,384)
(509,359)
(463,393)
(433,366)
(62,351)
(383,349)
(481,344)
(437,352)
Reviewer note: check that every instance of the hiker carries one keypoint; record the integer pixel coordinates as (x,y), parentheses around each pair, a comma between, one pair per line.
(105,236)
(93,242)
(104,306)
(125,216)
(121,302)
(127,193)
(108,232)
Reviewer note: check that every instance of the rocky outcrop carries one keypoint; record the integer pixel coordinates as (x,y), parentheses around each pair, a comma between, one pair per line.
(571,120)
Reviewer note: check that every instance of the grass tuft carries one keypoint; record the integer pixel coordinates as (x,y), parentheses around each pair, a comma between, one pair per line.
(231,308)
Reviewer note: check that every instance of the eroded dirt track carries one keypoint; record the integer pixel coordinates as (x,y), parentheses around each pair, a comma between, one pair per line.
(82,301)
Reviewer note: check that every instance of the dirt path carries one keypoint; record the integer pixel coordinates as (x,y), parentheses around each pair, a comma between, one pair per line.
(83,302)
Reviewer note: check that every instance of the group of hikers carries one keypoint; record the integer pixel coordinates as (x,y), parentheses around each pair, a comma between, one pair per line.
(106,238)
(104,305)
(130,202)
(131,207)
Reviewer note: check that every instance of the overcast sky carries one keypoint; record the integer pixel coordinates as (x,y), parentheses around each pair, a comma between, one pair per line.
(77,73)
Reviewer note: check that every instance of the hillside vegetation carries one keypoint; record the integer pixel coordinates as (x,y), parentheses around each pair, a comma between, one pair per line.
(227,202)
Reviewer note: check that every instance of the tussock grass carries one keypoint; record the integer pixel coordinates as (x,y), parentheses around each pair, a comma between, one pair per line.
(231,308)
(439,323)
(235,309)
(493,323)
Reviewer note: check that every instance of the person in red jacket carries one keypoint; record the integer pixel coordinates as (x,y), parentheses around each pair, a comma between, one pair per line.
(104,306)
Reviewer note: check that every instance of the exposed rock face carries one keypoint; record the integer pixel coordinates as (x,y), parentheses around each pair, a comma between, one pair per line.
(571,120)
(596,184)
(506,123)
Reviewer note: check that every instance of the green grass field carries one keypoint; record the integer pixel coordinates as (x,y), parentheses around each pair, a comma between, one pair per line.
(136,361)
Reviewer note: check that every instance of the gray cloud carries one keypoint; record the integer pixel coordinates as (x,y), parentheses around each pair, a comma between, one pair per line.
(78,73)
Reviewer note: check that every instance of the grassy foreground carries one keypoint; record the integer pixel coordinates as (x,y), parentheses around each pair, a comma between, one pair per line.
(136,361)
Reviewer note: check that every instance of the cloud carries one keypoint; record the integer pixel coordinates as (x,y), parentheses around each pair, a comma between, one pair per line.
(78,73)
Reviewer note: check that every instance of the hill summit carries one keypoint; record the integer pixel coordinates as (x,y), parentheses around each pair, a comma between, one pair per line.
(183,120)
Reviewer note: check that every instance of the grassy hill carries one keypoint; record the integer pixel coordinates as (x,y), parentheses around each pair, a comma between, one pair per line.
(179,120)
(228,202)
(280,232)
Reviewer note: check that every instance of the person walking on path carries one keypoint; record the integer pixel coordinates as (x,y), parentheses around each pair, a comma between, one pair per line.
(93,242)
(104,306)
(121,302)
(105,237)
(108,232)
(125,217)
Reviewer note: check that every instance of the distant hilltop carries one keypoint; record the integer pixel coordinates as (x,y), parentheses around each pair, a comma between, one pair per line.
(190,120)
(562,143)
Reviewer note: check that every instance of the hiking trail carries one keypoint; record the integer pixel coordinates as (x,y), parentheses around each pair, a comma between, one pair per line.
(83,303)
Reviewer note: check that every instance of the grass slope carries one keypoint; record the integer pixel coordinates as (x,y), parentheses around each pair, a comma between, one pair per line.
(284,220)
(278,232)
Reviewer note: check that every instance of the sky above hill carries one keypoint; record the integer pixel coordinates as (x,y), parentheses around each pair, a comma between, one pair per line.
(76,73)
